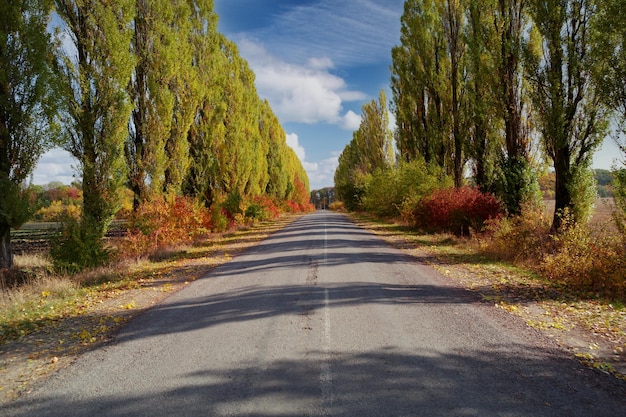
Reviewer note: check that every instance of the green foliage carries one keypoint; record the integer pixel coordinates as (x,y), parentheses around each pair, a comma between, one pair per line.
(620,200)
(584,194)
(28,106)
(99,106)
(255,212)
(78,247)
(368,151)
(233,203)
(389,193)
(15,207)
(420,92)
(517,184)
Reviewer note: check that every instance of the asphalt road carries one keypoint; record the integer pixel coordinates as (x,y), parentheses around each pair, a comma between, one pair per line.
(325,319)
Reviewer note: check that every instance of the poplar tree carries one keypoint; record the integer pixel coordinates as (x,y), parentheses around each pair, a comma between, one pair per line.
(481,108)
(571,118)
(367,152)
(155,46)
(452,13)
(28,107)
(610,78)
(420,67)
(98,67)
(518,183)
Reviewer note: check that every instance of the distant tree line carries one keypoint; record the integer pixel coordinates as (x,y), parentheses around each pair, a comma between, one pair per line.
(145,95)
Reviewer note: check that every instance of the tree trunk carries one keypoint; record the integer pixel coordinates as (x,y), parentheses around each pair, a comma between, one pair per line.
(563,196)
(6,255)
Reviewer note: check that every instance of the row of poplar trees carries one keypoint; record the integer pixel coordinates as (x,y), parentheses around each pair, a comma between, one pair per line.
(144,94)
(482,83)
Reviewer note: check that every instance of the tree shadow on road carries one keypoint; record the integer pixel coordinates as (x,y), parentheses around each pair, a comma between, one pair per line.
(384,382)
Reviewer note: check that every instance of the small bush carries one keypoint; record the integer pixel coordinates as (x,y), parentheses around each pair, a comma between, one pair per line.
(593,263)
(262,208)
(391,192)
(78,247)
(254,212)
(57,211)
(164,222)
(519,238)
(456,210)
(337,206)
(232,204)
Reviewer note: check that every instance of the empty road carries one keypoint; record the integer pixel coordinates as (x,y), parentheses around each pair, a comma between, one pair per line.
(325,319)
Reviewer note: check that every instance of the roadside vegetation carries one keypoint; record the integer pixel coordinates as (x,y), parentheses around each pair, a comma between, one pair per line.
(49,317)
(498,106)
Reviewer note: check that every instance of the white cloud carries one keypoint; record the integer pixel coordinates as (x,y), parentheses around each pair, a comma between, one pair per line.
(54,165)
(321,63)
(292,142)
(301,94)
(321,174)
(351,121)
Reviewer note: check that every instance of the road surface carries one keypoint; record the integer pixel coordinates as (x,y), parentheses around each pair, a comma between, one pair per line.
(325,319)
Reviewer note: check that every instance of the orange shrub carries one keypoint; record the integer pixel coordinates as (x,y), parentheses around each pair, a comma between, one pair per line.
(164,222)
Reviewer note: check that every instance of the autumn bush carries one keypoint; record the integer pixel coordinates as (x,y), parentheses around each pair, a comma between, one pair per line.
(57,211)
(456,210)
(164,222)
(261,208)
(593,261)
(337,206)
(589,260)
(519,238)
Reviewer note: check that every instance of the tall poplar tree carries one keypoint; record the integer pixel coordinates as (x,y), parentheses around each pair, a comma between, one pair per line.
(452,14)
(98,67)
(519,183)
(155,46)
(571,117)
(368,151)
(610,78)
(28,107)
(420,67)
(483,124)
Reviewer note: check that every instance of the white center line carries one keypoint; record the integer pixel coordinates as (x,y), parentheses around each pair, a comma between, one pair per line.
(326,376)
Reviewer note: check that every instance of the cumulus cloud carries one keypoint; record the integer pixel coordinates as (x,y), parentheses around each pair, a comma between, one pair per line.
(299,93)
(54,165)
(321,174)
(292,142)
(351,121)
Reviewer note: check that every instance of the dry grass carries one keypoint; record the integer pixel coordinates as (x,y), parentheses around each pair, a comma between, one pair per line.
(602,216)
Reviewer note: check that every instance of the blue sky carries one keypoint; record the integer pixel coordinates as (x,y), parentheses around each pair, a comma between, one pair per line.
(317,62)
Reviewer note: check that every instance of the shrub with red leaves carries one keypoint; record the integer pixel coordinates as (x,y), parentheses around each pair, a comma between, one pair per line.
(456,210)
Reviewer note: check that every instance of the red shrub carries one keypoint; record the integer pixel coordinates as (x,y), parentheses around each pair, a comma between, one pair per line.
(456,210)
